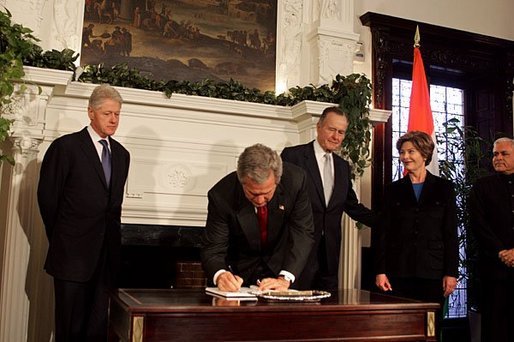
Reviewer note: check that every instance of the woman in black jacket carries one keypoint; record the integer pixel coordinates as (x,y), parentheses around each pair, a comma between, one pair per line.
(417,248)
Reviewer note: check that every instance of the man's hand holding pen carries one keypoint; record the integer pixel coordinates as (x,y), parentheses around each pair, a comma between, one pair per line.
(227,281)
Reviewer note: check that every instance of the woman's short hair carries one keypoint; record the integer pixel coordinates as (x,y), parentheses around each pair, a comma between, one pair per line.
(256,161)
(421,141)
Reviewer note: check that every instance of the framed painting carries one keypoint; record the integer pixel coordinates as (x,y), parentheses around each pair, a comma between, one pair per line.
(185,39)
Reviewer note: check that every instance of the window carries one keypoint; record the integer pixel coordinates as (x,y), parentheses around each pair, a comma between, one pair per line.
(447,104)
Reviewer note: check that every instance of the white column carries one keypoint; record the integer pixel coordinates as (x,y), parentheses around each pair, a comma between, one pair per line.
(330,39)
(26,292)
(22,240)
(351,253)
(350,270)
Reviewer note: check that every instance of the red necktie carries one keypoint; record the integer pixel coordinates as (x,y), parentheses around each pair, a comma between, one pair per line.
(262,216)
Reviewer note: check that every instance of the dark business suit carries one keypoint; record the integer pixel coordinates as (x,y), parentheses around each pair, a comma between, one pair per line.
(417,240)
(232,237)
(81,216)
(492,220)
(321,271)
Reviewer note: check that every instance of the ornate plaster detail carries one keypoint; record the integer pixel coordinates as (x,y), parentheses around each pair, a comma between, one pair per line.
(179,177)
(335,57)
(329,9)
(26,145)
(68,24)
(292,38)
(36,12)
(382,65)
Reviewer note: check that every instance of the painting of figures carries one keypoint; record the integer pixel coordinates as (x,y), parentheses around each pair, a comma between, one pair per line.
(180,40)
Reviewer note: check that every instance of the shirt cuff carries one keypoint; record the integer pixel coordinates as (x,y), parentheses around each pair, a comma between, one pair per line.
(216,275)
(287,276)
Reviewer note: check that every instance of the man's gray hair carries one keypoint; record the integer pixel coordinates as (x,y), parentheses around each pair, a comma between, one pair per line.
(504,139)
(101,93)
(256,162)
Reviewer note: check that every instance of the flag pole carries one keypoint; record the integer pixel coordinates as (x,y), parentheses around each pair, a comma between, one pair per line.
(420,113)
(417,37)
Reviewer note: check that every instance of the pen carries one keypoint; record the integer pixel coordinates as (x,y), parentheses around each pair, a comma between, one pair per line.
(231,270)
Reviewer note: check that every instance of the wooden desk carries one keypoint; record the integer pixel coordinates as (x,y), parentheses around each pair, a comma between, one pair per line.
(191,315)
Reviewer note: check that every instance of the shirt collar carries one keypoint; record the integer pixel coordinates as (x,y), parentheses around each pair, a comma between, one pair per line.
(95,137)
(318,150)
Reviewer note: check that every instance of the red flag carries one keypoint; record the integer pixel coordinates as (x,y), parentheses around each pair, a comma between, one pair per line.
(420,113)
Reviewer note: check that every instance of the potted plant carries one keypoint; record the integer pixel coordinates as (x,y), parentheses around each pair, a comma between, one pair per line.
(12,39)
(465,145)
(18,47)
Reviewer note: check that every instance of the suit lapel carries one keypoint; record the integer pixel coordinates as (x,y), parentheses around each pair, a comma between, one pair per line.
(408,191)
(276,210)
(86,144)
(340,179)
(428,188)
(313,169)
(247,219)
(117,163)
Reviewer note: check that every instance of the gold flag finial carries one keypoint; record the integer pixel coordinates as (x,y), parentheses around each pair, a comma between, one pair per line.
(416,37)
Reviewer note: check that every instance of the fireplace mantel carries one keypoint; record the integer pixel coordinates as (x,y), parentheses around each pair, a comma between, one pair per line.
(180,146)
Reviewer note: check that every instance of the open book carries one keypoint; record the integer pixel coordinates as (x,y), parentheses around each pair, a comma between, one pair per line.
(244,293)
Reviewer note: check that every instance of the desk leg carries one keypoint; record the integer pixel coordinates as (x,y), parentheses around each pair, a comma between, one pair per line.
(138,323)
(430,323)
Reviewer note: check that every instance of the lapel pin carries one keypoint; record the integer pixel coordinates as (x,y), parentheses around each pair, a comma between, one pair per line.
(281,207)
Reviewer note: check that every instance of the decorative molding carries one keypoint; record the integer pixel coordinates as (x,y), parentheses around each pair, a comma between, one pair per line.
(335,57)
(69,16)
(26,145)
(383,65)
(31,12)
(329,9)
(41,76)
(289,44)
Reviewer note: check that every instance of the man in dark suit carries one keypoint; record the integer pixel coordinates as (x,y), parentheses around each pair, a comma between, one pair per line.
(492,218)
(331,193)
(243,244)
(80,195)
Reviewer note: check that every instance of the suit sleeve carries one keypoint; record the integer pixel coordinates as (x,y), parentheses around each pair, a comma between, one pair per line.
(450,239)
(52,177)
(379,235)
(286,155)
(215,239)
(481,225)
(301,228)
(355,209)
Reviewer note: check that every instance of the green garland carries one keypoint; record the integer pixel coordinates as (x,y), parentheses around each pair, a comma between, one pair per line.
(19,47)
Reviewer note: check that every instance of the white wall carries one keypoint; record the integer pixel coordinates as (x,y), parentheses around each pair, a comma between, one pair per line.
(490,18)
